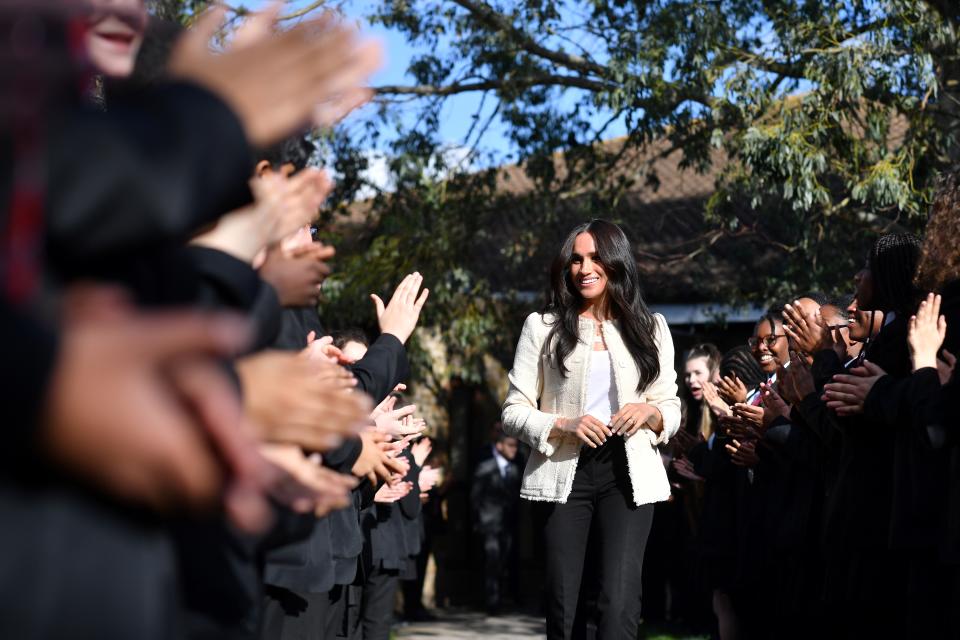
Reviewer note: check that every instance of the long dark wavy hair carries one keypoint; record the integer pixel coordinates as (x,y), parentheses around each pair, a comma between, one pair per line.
(624,296)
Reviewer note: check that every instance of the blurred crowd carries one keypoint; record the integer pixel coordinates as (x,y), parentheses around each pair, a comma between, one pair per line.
(191,453)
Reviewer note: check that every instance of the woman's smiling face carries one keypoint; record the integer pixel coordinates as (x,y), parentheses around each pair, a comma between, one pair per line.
(586,271)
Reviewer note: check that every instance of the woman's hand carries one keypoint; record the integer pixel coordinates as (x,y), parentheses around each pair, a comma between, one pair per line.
(732,389)
(927,331)
(635,416)
(587,428)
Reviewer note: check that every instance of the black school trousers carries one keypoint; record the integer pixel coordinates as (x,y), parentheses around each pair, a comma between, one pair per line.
(601,500)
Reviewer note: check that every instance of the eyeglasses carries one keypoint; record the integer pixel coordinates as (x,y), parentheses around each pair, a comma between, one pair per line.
(770,340)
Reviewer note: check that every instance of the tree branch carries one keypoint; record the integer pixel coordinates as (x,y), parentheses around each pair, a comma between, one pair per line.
(299,13)
(502,23)
(495,85)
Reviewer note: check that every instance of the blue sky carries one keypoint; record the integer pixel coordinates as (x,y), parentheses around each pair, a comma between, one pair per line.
(458,111)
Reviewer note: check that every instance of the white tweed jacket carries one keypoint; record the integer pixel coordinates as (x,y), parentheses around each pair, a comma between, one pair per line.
(539,393)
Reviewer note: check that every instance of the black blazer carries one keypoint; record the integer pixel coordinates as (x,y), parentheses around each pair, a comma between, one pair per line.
(495,498)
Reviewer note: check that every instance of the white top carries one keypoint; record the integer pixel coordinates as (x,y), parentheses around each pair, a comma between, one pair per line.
(601,401)
(501,462)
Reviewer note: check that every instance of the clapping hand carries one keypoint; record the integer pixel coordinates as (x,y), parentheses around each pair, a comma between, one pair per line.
(752,416)
(399,318)
(683,441)
(279,82)
(732,389)
(926,333)
(684,467)
(299,401)
(712,397)
(808,332)
(397,423)
(847,393)
(152,420)
(743,454)
(297,275)
(735,426)
(429,477)
(375,461)
(773,405)
(323,349)
(796,381)
(303,484)
(391,493)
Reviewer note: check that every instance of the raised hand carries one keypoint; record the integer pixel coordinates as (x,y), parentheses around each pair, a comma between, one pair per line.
(926,333)
(712,397)
(847,393)
(732,389)
(808,332)
(280,82)
(635,416)
(400,317)
(587,429)
(299,401)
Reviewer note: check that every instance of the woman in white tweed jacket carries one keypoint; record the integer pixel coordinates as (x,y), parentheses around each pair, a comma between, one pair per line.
(593,391)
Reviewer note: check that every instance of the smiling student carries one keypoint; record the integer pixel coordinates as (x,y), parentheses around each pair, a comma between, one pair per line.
(593,392)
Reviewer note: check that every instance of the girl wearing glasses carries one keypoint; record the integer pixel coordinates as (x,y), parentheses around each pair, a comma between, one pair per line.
(593,391)
(769,344)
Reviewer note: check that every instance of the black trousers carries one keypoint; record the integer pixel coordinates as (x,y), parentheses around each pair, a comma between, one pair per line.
(290,615)
(376,608)
(602,500)
(497,560)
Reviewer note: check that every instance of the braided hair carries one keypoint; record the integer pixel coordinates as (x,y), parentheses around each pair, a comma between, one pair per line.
(739,361)
(892,263)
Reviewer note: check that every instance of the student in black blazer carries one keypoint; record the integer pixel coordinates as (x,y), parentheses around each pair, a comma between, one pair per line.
(495,500)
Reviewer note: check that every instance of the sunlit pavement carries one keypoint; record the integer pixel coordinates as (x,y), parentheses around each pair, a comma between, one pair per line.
(473,624)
